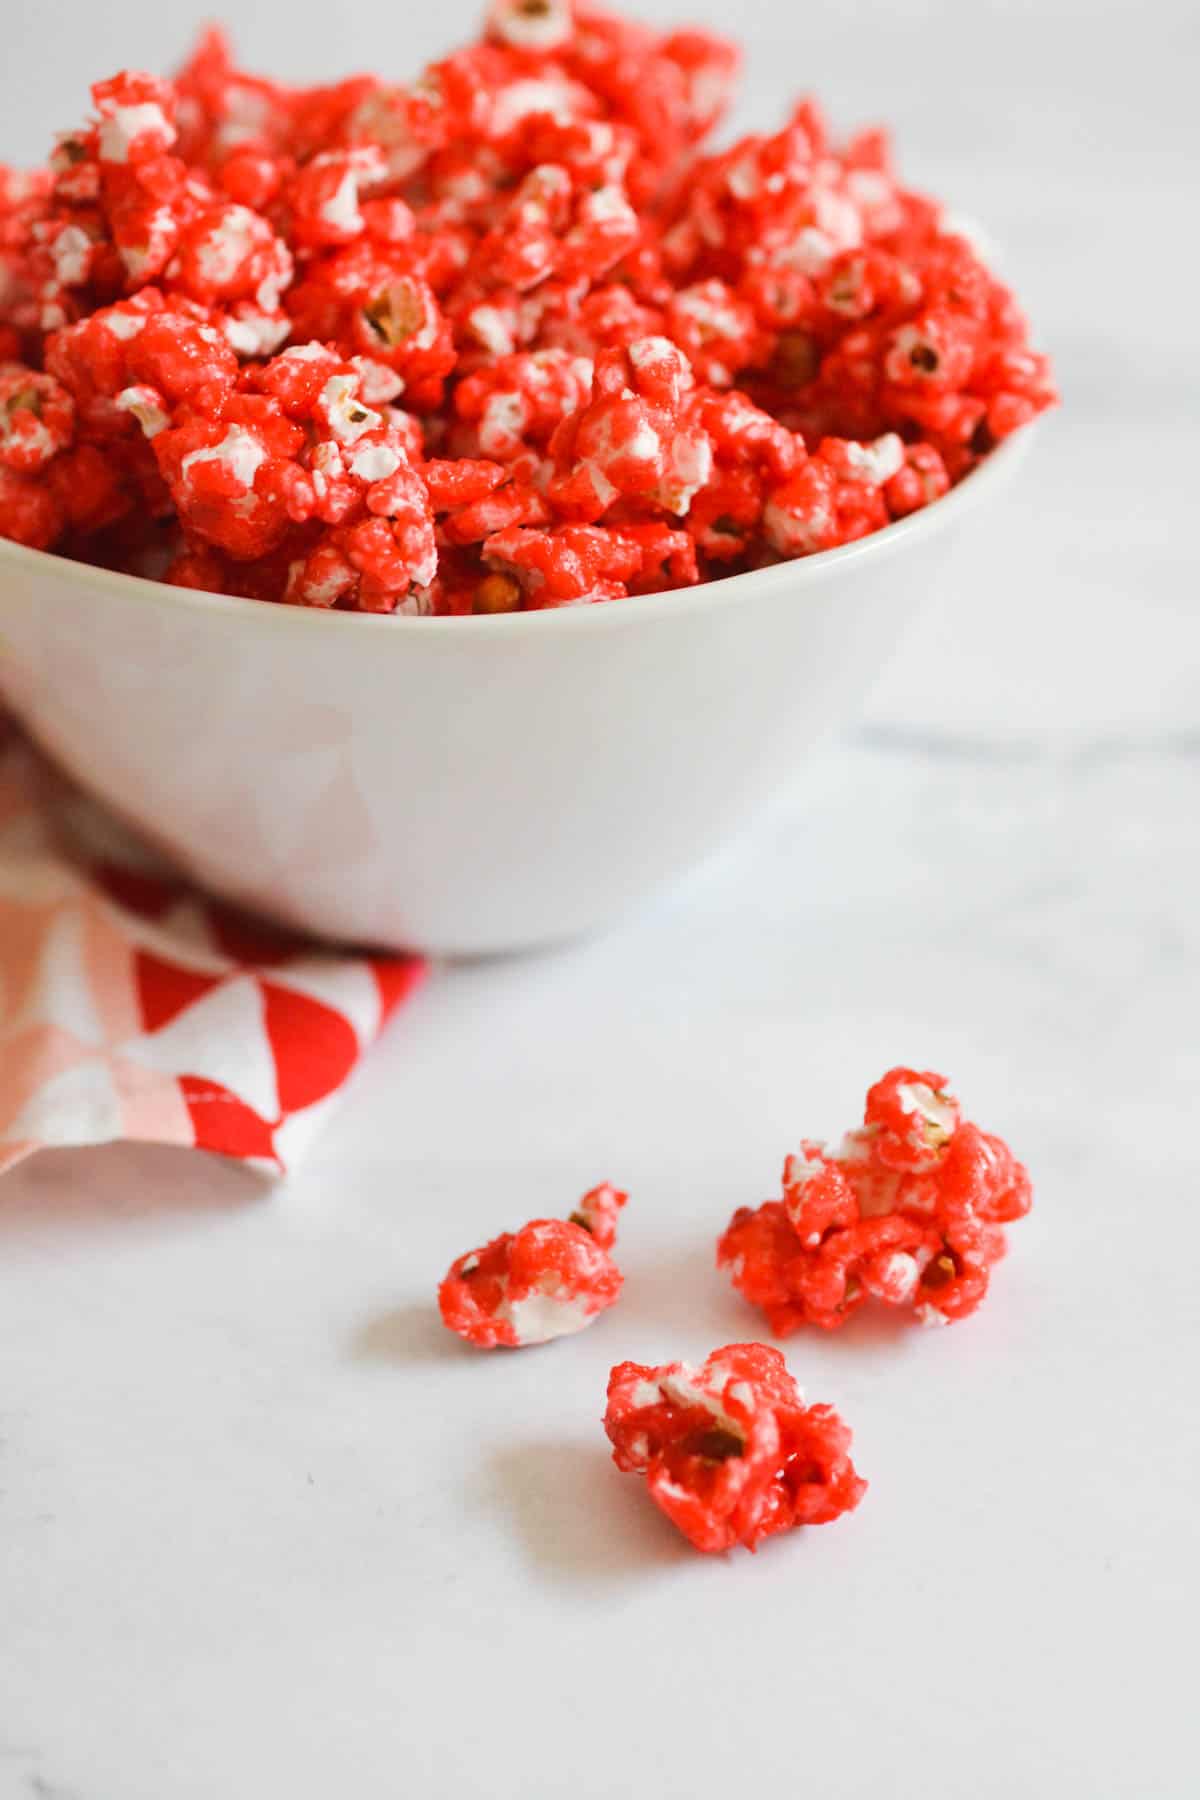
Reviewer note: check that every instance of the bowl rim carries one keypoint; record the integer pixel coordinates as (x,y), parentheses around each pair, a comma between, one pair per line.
(608,615)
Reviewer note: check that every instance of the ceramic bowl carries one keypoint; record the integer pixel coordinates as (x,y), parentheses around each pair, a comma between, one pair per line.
(456,785)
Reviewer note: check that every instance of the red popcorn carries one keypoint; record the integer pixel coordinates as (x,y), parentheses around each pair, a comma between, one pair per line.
(550,1278)
(704,361)
(29,512)
(91,360)
(921,480)
(37,418)
(641,438)
(598,1212)
(231,253)
(515,501)
(717,331)
(374,303)
(729,1450)
(544,25)
(566,566)
(907,1210)
(225,474)
(324,196)
(136,118)
(93,493)
(515,403)
(179,354)
(816,1194)
(933,352)
(800,516)
(913,1117)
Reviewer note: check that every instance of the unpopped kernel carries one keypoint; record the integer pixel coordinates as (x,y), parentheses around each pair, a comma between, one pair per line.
(907,1210)
(550,1278)
(503,338)
(729,1450)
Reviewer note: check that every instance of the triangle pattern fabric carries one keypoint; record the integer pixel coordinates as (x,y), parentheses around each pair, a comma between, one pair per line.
(220,1037)
(166,989)
(132,1006)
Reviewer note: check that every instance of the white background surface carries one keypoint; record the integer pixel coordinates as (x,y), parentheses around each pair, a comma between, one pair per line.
(266,1531)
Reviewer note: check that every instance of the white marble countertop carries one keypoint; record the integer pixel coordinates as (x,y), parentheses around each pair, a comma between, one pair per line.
(265,1530)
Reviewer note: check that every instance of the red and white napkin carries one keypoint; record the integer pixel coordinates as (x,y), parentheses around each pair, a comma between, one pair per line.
(133,1007)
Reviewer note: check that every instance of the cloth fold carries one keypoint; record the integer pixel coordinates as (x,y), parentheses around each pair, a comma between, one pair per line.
(132,1006)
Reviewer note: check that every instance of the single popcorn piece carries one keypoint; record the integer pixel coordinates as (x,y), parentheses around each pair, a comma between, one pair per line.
(685,362)
(547,1280)
(715,328)
(136,118)
(37,418)
(913,1116)
(907,1210)
(729,1451)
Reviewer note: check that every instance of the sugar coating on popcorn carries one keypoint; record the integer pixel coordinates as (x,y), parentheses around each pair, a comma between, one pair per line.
(907,1210)
(579,354)
(729,1451)
(547,1280)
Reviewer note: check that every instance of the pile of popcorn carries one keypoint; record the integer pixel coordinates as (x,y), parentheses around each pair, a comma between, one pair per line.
(502,338)
(908,1211)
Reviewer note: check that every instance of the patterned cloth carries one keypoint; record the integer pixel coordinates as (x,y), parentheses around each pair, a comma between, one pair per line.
(133,1007)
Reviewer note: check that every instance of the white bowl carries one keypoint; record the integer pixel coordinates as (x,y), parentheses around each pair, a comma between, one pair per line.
(455,785)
